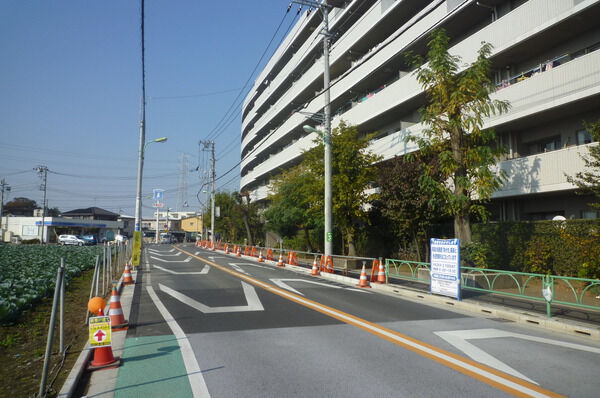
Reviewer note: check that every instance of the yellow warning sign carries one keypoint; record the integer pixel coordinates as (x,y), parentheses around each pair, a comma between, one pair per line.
(100,331)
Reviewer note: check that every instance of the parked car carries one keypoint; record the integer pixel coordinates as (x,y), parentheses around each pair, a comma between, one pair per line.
(71,240)
(89,239)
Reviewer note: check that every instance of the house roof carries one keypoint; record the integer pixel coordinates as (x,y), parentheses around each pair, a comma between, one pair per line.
(90,211)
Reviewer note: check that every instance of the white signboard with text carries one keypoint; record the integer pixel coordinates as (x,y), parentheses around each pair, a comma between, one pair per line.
(445,267)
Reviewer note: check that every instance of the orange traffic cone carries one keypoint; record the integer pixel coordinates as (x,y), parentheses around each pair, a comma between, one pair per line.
(260,257)
(381,273)
(103,356)
(315,268)
(280,262)
(127,279)
(115,312)
(363,281)
(239,252)
(226,249)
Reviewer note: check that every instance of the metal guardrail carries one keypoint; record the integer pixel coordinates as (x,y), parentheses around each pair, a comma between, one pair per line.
(570,291)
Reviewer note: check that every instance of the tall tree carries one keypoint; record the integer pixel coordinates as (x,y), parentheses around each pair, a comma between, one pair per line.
(290,207)
(458,102)
(402,201)
(588,181)
(353,172)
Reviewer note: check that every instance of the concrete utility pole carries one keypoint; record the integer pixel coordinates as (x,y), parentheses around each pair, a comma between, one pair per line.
(4,187)
(325,6)
(210,146)
(43,173)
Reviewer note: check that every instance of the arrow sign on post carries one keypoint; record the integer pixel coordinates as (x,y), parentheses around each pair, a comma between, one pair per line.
(100,334)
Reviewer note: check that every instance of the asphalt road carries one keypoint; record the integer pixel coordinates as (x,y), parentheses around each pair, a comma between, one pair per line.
(249,329)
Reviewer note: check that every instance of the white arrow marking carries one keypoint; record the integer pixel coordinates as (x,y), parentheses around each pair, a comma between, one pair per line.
(458,338)
(198,252)
(187,260)
(253,265)
(165,255)
(203,272)
(252,299)
(283,285)
(239,269)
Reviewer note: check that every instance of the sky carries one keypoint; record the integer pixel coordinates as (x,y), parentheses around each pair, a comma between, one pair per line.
(71,87)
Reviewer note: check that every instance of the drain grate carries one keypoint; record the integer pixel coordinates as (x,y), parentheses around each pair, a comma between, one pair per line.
(500,320)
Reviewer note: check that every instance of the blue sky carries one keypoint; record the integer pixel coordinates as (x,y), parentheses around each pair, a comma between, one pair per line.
(70,93)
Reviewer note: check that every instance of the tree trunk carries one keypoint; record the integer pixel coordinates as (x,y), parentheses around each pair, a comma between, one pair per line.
(462,228)
(350,242)
(248,231)
(309,247)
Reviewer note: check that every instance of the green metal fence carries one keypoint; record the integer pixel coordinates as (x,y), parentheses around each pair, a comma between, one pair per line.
(575,292)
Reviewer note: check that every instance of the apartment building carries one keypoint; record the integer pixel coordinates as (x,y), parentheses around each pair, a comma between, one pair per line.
(546,63)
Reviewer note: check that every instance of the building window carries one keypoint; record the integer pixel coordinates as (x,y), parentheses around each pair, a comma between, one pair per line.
(545,145)
(583,137)
(589,214)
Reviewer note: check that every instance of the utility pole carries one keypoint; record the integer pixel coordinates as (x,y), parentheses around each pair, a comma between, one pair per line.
(324,7)
(43,173)
(210,146)
(4,187)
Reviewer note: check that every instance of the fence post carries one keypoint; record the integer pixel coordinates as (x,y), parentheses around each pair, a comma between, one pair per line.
(61,339)
(57,286)
(94,281)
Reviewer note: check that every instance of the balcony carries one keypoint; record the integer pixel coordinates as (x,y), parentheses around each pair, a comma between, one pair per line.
(542,172)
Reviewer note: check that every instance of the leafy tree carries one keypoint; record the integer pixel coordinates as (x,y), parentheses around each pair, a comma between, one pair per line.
(588,181)
(20,206)
(237,220)
(353,171)
(291,209)
(458,102)
(409,208)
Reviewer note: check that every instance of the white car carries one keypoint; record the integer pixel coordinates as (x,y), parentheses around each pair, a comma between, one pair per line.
(71,240)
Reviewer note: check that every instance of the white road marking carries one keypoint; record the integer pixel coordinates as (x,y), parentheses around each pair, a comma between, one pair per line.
(158,253)
(203,272)
(196,253)
(252,265)
(238,269)
(197,382)
(281,283)
(458,338)
(252,299)
(187,260)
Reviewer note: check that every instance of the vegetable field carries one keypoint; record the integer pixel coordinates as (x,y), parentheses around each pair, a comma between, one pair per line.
(28,273)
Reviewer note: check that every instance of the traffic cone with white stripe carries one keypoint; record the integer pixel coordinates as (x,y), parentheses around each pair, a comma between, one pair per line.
(363,281)
(280,262)
(261,259)
(103,356)
(127,279)
(239,252)
(315,268)
(115,312)
(381,274)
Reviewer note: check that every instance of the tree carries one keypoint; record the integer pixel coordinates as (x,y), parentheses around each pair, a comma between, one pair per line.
(402,201)
(291,209)
(20,207)
(458,102)
(353,171)
(238,217)
(588,181)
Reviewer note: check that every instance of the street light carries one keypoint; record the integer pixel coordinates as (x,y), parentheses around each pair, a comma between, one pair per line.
(326,135)
(137,233)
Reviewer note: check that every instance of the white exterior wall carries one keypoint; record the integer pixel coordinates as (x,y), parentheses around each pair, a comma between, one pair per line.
(568,83)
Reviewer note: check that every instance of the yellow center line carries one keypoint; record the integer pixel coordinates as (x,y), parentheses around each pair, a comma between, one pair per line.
(493,377)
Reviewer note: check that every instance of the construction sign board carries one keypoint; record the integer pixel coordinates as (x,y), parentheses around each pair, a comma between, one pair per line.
(445,267)
(100,331)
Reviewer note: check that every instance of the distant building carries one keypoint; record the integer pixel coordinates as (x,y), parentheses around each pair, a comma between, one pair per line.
(192,225)
(103,224)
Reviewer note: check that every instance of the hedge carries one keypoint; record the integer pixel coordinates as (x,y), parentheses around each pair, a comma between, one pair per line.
(566,248)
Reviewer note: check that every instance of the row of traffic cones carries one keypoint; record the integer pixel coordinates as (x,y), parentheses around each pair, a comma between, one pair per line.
(103,356)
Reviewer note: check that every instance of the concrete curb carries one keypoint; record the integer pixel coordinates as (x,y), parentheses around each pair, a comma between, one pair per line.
(70,384)
(556,324)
